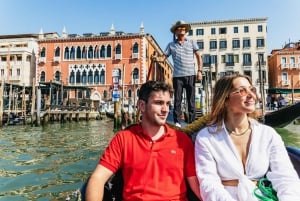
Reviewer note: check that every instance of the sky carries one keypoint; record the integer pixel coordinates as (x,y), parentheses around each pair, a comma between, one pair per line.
(95,16)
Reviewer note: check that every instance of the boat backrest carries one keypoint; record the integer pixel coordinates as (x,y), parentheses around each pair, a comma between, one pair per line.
(294,154)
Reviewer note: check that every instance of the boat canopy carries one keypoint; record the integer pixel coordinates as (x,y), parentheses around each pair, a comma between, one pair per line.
(282,91)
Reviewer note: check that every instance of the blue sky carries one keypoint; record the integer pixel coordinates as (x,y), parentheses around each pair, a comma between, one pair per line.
(95,16)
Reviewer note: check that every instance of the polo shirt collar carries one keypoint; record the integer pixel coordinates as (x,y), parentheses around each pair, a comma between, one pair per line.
(176,41)
(168,130)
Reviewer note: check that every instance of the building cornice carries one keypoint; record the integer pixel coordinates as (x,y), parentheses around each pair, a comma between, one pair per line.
(93,38)
(233,21)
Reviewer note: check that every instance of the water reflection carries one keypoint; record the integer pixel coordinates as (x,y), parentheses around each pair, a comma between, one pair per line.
(290,134)
(45,163)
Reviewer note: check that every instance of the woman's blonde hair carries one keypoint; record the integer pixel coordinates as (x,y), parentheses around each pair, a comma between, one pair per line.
(221,93)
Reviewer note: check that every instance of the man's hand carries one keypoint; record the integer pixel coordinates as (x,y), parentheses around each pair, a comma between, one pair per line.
(157,58)
(199,75)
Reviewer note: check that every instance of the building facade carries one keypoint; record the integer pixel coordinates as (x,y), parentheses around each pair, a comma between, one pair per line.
(93,60)
(284,71)
(18,58)
(232,46)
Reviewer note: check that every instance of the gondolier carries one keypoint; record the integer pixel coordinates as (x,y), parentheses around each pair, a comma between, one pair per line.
(185,73)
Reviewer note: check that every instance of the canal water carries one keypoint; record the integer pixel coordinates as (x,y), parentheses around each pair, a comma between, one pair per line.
(49,163)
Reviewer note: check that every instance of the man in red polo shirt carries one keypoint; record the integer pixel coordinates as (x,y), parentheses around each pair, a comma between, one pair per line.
(156,160)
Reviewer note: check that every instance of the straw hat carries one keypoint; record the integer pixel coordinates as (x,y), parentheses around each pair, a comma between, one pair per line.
(180,23)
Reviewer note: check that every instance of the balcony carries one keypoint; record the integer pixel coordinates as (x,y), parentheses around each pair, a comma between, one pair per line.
(42,60)
(293,66)
(15,78)
(285,82)
(229,63)
(247,63)
(118,56)
(262,64)
(206,64)
(284,66)
(135,55)
(56,59)
(260,81)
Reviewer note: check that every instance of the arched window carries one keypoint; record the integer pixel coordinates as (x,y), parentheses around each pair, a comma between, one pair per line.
(84,51)
(78,77)
(57,52)
(102,52)
(108,51)
(96,77)
(72,77)
(96,52)
(105,94)
(90,52)
(135,74)
(43,77)
(118,49)
(135,51)
(135,48)
(67,53)
(102,76)
(84,77)
(129,93)
(43,52)
(78,53)
(57,76)
(72,53)
(90,77)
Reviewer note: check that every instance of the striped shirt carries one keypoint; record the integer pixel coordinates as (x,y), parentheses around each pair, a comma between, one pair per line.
(183,57)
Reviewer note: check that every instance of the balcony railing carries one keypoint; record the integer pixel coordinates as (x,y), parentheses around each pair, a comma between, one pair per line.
(284,66)
(15,78)
(206,64)
(118,56)
(249,63)
(293,65)
(42,60)
(259,81)
(263,63)
(285,82)
(135,55)
(56,59)
(229,63)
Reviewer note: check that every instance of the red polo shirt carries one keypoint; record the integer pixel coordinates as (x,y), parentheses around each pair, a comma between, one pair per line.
(151,170)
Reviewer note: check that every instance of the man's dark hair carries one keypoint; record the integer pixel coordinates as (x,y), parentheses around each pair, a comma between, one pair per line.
(150,86)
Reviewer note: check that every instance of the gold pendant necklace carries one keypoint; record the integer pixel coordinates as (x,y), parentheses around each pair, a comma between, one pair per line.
(238,134)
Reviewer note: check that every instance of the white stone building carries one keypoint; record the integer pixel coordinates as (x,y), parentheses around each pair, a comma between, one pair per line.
(18,58)
(232,46)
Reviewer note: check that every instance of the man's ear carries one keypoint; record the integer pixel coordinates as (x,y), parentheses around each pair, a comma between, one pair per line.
(142,105)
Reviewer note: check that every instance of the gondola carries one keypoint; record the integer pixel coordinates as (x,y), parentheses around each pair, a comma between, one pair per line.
(113,188)
(283,116)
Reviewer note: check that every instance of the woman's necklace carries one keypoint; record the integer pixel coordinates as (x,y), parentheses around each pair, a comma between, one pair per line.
(238,134)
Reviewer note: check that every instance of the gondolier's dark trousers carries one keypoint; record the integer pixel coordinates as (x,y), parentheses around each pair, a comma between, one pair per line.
(179,83)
